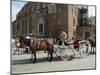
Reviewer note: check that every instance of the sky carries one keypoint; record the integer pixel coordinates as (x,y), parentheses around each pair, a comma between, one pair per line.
(91,11)
(17,5)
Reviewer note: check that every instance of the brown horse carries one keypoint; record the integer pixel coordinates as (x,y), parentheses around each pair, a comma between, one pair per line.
(42,45)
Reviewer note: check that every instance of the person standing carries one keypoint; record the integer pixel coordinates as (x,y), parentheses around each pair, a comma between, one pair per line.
(34,41)
(63,35)
(63,38)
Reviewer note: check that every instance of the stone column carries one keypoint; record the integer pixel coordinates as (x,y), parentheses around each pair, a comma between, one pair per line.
(83,35)
(27,25)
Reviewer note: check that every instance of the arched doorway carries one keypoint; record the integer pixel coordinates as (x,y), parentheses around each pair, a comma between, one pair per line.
(87,34)
(41,26)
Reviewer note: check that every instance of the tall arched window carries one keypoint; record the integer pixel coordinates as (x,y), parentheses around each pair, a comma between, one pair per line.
(30,25)
(40,28)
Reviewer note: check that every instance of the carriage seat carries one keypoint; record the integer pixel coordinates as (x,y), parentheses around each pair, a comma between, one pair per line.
(76,44)
(61,42)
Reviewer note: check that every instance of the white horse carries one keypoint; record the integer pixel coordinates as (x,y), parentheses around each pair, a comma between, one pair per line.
(13,46)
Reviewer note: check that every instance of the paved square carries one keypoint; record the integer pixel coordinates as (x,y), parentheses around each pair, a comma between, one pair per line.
(23,64)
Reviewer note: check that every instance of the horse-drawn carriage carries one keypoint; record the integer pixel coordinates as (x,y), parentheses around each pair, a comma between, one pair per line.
(66,51)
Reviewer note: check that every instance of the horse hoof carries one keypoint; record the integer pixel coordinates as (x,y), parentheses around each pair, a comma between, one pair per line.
(30,59)
(50,60)
(34,61)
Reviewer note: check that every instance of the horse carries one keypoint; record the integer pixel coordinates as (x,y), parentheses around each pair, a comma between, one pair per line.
(16,45)
(13,46)
(93,45)
(26,44)
(23,44)
(41,45)
(20,44)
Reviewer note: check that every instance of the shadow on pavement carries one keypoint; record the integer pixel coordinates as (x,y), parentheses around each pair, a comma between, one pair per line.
(39,60)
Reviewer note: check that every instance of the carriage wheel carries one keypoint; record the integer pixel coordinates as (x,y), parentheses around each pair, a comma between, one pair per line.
(84,51)
(66,54)
(58,52)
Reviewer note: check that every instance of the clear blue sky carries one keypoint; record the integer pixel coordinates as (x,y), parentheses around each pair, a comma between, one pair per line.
(17,5)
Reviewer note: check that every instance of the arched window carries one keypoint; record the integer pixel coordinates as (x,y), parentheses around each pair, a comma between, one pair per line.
(40,28)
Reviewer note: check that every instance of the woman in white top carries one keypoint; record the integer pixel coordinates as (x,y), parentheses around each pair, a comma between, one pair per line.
(63,36)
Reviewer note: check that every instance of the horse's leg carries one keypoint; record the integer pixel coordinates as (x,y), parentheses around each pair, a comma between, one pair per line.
(15,51)
(18,51)
(31,55)
(87,49)
(27,50)
(22,50)
(34,52)
(93,50)
(51,54)
(48,55)
(78,48)
(45,51)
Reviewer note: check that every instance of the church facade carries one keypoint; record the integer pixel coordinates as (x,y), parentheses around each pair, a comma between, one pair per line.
(47,20)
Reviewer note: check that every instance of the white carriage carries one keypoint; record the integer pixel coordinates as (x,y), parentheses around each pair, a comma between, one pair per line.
(66,52)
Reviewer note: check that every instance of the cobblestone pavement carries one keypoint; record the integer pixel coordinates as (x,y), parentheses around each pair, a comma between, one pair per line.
(23,64)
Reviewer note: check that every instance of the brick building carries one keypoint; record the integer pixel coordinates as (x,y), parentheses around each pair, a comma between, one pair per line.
(47,20)
(87,25)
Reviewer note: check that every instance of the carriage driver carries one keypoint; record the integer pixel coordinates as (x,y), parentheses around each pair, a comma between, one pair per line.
(34,41)
(63,36)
